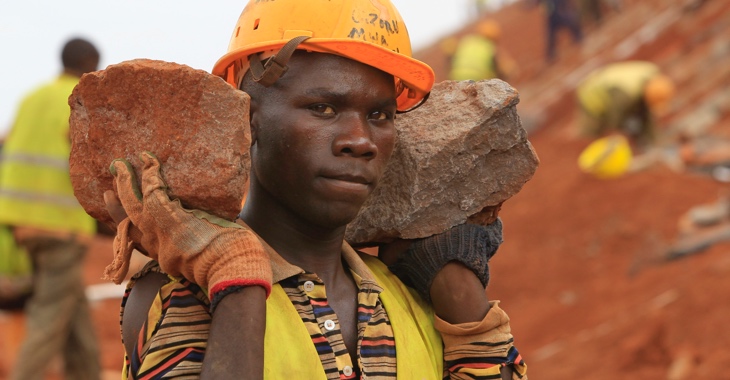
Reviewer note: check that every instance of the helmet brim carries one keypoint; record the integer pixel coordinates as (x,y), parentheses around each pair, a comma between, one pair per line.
(417,77)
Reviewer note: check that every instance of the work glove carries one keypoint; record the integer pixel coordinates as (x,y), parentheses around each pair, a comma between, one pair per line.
(470,244)
(219,255)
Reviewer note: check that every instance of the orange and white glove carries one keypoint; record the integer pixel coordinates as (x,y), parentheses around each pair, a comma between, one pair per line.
(215,253)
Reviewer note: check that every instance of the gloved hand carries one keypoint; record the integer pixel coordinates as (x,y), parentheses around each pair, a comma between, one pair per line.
(214,253)
(470,244)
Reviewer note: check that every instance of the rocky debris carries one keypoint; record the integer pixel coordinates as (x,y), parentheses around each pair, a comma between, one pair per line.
(195,123)
(458,158)
(684,364)
(646,347)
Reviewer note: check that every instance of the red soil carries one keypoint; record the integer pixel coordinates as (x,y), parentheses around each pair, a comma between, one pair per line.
(582,270)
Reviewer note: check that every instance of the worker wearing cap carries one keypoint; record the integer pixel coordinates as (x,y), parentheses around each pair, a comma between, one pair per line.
(475,56)
(624,97)
(280,294)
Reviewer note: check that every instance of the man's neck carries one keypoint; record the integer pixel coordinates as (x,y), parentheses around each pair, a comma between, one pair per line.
(314,249)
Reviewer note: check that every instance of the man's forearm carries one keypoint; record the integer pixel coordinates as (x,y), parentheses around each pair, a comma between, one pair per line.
(236,341)
(457,295)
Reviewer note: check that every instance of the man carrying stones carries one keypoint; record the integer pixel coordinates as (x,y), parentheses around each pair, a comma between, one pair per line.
(280,294)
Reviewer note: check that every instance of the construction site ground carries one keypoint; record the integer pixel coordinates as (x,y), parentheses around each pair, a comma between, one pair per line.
(583,271)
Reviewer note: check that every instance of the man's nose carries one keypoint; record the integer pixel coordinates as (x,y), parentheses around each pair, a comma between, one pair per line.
(355,138)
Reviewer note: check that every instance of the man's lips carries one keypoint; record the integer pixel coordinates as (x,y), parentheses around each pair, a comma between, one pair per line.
(349,181)
(359,179)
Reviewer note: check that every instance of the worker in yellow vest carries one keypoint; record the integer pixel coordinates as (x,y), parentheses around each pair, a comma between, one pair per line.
(624,97)
(475,57)
(37,201)
(279,294)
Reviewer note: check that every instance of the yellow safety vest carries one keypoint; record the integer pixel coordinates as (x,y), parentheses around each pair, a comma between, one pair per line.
(628,77)
(290,353)
(474,59)
(35,188)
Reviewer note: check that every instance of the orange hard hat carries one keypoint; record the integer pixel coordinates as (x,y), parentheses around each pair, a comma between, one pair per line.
(658,91)
(489,29)
(448,45)
(368,31)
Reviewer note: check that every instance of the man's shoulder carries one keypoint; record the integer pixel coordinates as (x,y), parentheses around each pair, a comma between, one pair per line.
(165,287)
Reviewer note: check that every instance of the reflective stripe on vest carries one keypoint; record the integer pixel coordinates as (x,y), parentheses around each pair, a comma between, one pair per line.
(35,160)
(54,199)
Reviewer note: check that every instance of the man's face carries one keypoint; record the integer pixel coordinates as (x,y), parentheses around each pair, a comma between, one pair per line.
(323,135)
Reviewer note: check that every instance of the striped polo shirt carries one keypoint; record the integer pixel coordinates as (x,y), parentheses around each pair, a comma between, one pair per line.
(172,342)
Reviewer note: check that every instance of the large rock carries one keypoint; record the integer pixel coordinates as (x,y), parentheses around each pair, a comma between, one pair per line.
(195,123)
(458,158)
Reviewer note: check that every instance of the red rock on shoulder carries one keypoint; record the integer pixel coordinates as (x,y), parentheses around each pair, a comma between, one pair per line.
(458,158)
(194,122)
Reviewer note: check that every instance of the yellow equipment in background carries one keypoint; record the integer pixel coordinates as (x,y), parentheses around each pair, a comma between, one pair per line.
(607,157)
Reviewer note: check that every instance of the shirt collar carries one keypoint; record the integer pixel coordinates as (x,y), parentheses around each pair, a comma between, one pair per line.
(282,269)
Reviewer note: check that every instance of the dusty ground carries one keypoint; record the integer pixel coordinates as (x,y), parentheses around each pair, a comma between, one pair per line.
(581,272)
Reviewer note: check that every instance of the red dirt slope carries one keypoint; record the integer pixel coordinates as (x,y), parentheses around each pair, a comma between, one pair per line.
(581,272)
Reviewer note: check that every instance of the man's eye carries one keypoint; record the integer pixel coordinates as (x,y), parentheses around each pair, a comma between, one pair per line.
(323,109)
(379,115)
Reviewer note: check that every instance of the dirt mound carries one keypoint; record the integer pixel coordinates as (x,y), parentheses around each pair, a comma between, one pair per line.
(582,270)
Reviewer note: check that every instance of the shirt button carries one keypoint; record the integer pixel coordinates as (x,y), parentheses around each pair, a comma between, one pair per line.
(308,286)
(347,371)
(329,325)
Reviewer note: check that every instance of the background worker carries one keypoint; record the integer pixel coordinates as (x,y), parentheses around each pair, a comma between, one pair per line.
(559,14)
(475,56)
(322,123)
(624,97)
(36,199)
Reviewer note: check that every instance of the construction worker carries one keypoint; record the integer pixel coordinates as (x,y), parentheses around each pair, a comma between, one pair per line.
(559,14)
(36,199)
(475,57)
(324,95)
(624,97)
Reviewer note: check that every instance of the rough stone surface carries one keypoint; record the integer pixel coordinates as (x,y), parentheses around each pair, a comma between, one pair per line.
(458,158)
(195,123)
